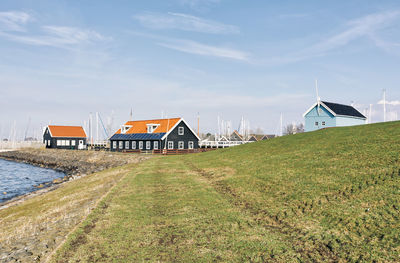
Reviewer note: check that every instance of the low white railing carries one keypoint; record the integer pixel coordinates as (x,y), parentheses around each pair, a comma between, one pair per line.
(220,144)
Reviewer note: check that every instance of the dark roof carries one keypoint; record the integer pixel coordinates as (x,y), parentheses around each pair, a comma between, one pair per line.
(345,110)
(138,136)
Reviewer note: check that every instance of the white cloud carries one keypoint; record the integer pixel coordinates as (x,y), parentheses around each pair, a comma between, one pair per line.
(184,22)
(193,47)
(361,27)
(57,36)
(365,27)
(388,102)
(13,21)
(196,4)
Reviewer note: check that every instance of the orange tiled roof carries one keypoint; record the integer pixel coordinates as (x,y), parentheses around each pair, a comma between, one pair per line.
(141,126)
(67,131)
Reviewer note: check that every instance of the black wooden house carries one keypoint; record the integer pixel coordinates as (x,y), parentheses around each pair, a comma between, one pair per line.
(147,135)
(64,137)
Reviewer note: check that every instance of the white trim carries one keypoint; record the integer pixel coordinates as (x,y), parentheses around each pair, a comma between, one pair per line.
(353,117)
(170,148)
(316,104)
(151,125)
(181,145)
(176,124)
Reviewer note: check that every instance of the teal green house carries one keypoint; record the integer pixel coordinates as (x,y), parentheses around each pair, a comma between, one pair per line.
(327,114)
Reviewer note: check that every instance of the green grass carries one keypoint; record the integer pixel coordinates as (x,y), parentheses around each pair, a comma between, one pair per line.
(326,196)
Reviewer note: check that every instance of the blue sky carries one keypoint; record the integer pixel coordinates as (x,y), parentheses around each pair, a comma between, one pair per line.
(61,60)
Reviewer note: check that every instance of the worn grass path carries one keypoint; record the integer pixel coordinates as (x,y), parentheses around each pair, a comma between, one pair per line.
(326,196)
(165,212)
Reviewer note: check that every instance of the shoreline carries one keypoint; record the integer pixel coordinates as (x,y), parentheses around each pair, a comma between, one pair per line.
(73,164)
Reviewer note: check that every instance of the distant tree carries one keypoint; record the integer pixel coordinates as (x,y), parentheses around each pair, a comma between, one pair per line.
(293,129)
(259,131)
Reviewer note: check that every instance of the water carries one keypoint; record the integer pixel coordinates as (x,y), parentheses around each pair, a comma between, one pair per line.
(19,178)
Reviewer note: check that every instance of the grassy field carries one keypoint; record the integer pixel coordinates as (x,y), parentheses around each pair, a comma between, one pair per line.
(326,196)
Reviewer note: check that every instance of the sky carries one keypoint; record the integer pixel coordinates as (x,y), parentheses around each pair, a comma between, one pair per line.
(62,60)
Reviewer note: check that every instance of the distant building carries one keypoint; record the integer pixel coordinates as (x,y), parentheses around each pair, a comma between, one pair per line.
(327,114)
(155,135)
(64,137)
(236,137)
(267,137)
(253,138)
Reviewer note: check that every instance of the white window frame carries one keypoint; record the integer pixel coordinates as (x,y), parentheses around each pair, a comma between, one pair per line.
(58,142)
(181,130)
(323,123)
(133,145)
(114,144)
(191,145)
(73,142)
(170,145)
(121,145)
(126,145)
(181,145)
(316,123)
(62,142)
(67,142)
(155,145)
(141,145)
(148,145)
(152,127)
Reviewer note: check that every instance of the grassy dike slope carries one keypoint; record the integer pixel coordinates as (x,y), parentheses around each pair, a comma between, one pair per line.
(31,230)
(331,195)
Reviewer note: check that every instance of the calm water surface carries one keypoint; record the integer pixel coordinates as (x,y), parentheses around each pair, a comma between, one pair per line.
(19,178)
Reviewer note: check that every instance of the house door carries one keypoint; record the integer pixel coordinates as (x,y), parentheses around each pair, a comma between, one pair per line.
(80,146)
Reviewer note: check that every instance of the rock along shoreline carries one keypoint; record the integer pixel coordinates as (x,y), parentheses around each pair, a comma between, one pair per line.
(72,163)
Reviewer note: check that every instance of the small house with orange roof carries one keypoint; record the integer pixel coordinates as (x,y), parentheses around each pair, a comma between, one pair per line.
(146,135)
(65,137)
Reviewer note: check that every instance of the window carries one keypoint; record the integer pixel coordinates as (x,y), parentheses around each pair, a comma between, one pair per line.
(191,145)
(66,142)
(58,142)
(62,142)
(125,128)
(323,123)
(151,127)
(127,145)
(148,145)
(316,123)
(114,145)
(73,142)
(133,144)
(141,145)
(181,145)
(155,145)
(181,131)
(121,144)
(48,142)
(170,145)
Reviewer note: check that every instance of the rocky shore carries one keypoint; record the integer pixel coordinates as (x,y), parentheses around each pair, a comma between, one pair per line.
(71,162)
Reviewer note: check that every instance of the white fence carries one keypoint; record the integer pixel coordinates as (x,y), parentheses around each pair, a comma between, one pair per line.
(220,144)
